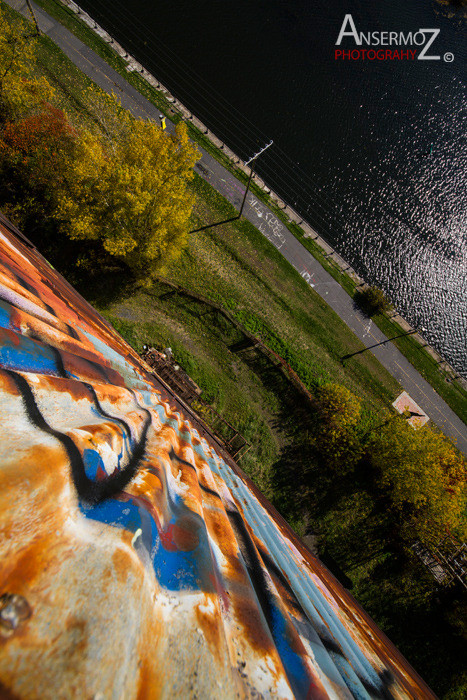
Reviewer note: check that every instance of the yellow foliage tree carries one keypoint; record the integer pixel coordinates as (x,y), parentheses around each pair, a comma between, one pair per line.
(19,91)
(425,478)
(127,189)
(120,184)
(336,437)
(338,405)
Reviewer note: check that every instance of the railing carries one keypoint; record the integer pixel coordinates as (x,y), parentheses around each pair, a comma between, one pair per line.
(447,561)
(188,391)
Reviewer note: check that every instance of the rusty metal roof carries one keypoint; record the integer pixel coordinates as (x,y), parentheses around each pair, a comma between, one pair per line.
(138,561)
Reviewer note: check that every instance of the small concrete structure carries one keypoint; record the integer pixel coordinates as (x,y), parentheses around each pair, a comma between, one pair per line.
(404,403)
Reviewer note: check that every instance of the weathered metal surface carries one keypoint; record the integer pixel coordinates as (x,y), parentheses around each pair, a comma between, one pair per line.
(137,560)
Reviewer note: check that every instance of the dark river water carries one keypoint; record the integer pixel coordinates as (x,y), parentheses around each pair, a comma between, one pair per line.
(372,153)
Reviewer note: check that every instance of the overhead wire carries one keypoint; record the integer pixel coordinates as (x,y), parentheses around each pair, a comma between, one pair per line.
(212,98)
(277,163)
(178,74)
(176,60)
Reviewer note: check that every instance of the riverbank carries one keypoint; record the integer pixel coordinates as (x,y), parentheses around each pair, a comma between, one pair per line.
(424,358)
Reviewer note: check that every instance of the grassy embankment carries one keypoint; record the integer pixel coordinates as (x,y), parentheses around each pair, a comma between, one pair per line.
(235,266)
(451,391)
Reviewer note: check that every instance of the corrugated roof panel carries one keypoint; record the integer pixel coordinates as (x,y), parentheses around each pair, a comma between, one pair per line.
(137,559)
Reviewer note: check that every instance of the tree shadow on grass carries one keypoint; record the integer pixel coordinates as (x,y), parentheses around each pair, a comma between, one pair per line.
(100,278)
(105,286)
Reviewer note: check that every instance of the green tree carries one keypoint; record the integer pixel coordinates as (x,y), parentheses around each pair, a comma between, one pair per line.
(373,301)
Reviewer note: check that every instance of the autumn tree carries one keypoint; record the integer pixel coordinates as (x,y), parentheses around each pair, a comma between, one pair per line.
(425,479)
(127,191)
(336,435)
(24,119)
(34,152)
(117,187)
(20,91)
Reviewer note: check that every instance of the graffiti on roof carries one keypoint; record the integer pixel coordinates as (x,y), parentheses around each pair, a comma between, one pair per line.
(138,561)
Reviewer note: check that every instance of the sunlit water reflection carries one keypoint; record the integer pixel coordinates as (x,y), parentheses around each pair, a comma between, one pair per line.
(383,142)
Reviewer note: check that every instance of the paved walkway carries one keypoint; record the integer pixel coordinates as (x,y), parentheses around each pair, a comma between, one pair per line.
(264,220)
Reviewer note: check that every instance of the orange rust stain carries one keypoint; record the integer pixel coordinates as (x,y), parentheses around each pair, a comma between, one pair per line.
(18,573)
(150,680)
(149,484)
(18,317)
(184,444)
(210,624)
(213,500)
(6,694)
(7,385)
(202,466)
(189,478)
(220,486)
(152,664)
(122,564)
(66,386)
(83,369)
(167,432)
(221,531)
(11,337)
(137,417)
(112,394)
(183,535)
(34,488)
(43,468)
(144,690)
(32,553)
(126,536)
(234,568)
(248,616)
(77,631)
(102,432)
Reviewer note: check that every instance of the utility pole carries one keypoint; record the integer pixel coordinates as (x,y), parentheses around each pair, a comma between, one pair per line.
(235,218)
(255,156)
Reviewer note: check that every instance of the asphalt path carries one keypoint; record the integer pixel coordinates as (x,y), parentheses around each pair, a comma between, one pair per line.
(267,223)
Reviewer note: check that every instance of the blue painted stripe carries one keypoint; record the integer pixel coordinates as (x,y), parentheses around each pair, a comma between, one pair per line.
(175,570)
(92,461)
(5,314)
(23,354)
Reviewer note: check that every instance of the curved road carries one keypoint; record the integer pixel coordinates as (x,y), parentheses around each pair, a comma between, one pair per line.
(266,222)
